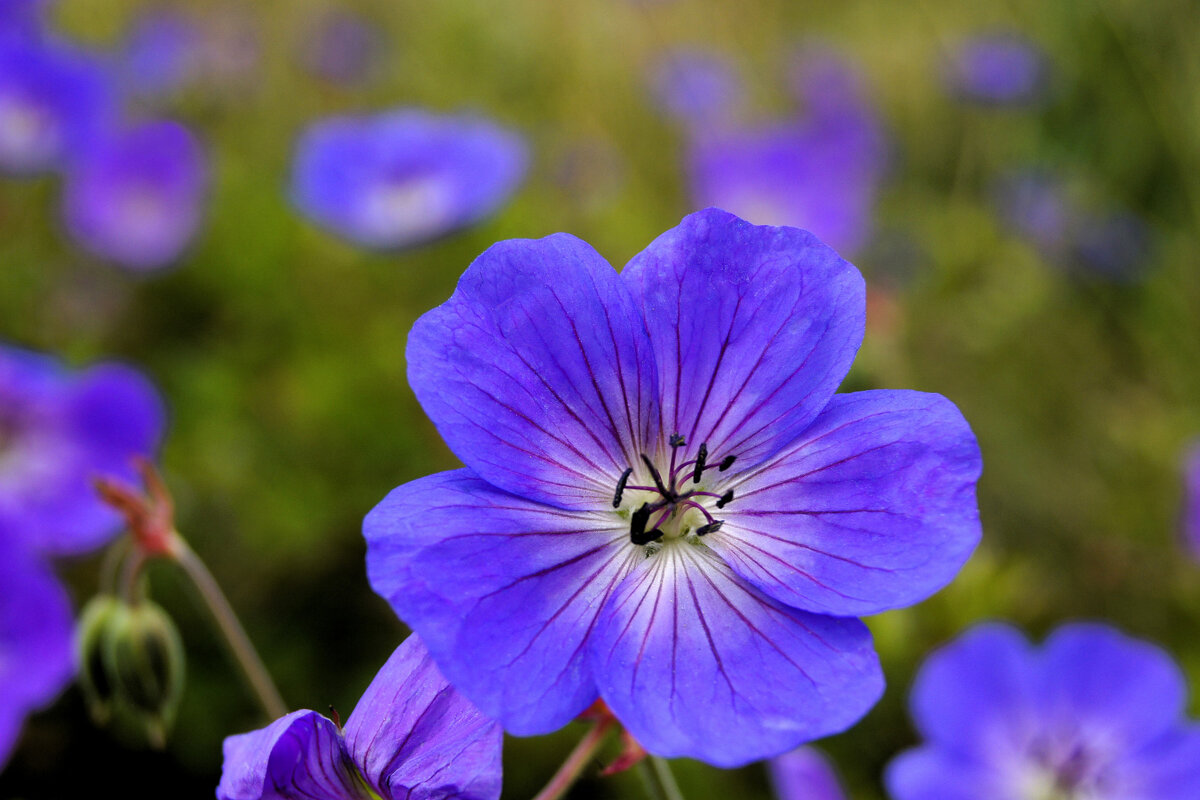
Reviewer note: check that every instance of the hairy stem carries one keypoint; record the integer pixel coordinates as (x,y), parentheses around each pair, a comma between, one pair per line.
(579,758)
(231,629)
(660,783)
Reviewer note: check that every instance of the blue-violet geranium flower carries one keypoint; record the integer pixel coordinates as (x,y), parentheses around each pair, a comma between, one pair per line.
(58,431)
(665,505)
(804,774)
(1092,715)
(411,737)
(404,177)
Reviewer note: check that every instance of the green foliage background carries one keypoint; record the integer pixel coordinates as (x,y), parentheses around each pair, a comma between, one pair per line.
(280,349)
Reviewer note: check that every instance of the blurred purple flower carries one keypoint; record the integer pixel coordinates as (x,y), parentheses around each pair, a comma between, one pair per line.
(1036,204)
(162,52)
(35,633)
(1093,714)
(58,430)
(22,19)
(342,47)
(820,173)
(697,88)
(55,101)
(998,69)
(665,505)
(404,177)
(412,736)
(804,774)
(1191,500)
(137,200)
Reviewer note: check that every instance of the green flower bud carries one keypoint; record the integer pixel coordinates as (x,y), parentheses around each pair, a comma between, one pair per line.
(143,659)
(91,631)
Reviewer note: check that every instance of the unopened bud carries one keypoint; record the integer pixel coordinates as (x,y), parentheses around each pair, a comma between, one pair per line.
(144,662)
(91,633)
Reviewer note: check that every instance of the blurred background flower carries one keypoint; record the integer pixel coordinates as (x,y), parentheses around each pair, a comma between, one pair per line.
(1000,68)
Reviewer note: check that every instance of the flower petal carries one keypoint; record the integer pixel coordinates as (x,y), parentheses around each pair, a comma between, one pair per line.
(1166,769)
(804,774)
(976,695)
(753,328)
(872,508)
(35,638)
(929,773)
(504,591)
(297,757)
(415,738)
(538,372)
(1123,689)
(697,663)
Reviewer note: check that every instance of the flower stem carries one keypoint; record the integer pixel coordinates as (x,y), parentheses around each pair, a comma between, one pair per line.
(579,758)
(239,643)
(658,779)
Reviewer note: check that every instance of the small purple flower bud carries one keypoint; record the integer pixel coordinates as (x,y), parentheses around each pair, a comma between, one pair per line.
(138,199)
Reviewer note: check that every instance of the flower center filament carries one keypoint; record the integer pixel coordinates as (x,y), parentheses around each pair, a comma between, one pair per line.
(671,495)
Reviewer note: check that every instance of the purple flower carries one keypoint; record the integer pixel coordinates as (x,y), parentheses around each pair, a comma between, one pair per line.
(54,102)
(58,430)
(698,88)
(412,736)
(1092,715)
(35,634)
(665,504)
(1191,500)
(342,47)
(404,177)
(162,52)
(138,199)
(21,18)
(804,774)
(820,173)
(998,69)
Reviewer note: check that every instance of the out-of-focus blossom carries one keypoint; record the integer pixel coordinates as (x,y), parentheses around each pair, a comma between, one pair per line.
(404,177)
(342,47)
(1191,500)
(1091,715)
(698,88)
(1036,204)
(22,19)
(138,199)
(998,69)
(665,503)
(55,101)
(59,430)
(804,774)
(411,736)
(35,632)
(820,172)
(162,52)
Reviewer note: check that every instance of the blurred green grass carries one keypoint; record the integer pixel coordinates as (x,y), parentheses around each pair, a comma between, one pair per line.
(280,349)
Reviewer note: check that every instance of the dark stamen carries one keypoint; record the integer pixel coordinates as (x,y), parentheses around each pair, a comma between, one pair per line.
(726,463)
(637,522)
(657,478)
(676,440)
(725,498)
(700,459)
(646,537)
(333,715)
(710,527)
(621,486)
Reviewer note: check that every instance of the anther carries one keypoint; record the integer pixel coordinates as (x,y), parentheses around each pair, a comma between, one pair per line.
(700,458)
(725,499)
(646,537)
(726,463)
(676,440)
(621,486)
(657,478)
(335,716)
(637,522)
(715,525)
